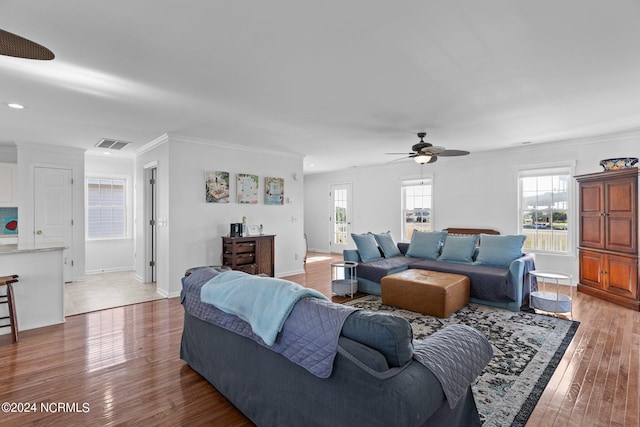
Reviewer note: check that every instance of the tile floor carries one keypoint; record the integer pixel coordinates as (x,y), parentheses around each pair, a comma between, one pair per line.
(106,290)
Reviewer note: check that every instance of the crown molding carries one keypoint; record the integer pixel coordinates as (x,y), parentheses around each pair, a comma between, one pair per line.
(50,148)
(153,144)
(229,146)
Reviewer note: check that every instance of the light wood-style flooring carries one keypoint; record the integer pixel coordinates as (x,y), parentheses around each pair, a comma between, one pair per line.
(121,366)
(106,290)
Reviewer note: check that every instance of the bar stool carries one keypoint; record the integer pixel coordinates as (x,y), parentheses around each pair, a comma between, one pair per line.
(7,298)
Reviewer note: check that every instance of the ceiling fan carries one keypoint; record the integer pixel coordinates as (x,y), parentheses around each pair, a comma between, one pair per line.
(425,152)
(19,47)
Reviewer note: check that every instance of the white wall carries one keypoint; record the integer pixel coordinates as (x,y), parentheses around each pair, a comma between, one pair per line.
(33,155)
(111,254)
(193,230)
(478,190)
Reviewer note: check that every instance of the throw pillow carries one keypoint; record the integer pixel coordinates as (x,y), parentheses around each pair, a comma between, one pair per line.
(499,251)
(387,244)
(367,246)
(426,244)
(459,249)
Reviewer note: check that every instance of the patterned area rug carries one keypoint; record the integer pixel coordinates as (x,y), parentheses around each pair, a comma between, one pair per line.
(527,349)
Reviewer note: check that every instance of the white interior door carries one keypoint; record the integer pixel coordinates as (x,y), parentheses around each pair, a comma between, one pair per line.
(53,211)
(340,216)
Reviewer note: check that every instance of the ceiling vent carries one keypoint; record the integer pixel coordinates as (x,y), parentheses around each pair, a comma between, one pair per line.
(112,144)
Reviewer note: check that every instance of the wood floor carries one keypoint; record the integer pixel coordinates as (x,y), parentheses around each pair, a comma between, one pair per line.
(121,367)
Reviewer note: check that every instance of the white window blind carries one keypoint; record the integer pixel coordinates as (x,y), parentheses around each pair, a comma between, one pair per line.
(106,208)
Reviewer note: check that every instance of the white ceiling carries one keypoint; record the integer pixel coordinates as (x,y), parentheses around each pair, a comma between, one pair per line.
(342,82)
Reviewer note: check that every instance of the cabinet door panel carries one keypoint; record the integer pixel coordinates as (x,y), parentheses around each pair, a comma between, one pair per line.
(264,256)
(622,276)
(621,234)
(592,215)
(591,268)
(592,231)
(621,213)
(8,185)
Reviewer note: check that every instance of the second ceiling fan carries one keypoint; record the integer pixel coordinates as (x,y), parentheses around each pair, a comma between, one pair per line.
(425,152)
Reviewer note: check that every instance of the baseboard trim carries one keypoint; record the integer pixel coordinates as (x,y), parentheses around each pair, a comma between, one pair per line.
(290,273)
(109,270)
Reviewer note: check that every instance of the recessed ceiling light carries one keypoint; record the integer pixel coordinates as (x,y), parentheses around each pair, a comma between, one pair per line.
(16,106)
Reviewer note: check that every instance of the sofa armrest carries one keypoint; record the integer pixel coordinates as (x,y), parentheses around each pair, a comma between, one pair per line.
(519,272)
(351,255)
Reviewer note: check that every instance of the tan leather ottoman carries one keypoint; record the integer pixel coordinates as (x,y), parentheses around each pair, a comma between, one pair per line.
(428,292)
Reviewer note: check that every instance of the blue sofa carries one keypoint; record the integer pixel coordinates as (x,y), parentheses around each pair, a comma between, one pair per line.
(375,380)
(504,287)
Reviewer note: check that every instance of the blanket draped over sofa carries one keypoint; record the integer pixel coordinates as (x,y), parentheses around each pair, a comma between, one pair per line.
(456,355)
(264,302)
(310,333)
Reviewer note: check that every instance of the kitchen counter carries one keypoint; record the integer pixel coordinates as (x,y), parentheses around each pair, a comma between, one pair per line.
(8,239)
(39,294)
(31,247)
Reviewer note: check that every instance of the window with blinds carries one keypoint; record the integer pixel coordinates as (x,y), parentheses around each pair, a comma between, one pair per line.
(106,208)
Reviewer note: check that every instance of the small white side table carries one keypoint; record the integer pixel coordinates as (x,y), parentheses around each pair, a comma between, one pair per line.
(344,280)
(551,302)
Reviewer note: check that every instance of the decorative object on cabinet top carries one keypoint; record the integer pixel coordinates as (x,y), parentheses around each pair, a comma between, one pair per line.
(618,163)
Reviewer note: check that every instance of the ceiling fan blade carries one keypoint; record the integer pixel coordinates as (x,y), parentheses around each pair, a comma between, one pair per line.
(401,159)
(401,154)
(19,47)
(433,159)
(433,150)
(452,153)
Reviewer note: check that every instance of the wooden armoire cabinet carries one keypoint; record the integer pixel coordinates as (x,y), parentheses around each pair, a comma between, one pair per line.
(253,255)
(608,236)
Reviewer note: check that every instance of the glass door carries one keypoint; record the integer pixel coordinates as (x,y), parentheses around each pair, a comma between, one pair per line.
(340,216)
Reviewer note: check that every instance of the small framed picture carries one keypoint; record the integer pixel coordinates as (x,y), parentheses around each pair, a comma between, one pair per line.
(273,191)
(253,230)
(216,186)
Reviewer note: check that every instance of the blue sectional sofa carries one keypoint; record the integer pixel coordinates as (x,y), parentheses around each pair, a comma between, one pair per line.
(375,380)
(498,272)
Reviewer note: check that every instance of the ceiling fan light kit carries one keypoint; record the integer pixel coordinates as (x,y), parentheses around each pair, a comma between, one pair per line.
(19,47)
(422,158)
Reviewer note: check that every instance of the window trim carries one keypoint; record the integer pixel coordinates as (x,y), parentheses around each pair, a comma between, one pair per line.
(547,169)
(411,181)
(128,199)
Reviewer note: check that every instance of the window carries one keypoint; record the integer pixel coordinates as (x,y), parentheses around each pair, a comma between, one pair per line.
(106,208)
(544,214)
(417,212)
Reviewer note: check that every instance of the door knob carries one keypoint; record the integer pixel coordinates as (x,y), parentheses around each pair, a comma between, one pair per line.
(39,232)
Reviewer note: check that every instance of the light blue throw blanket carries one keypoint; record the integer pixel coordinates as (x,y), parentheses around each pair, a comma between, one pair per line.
(263,302)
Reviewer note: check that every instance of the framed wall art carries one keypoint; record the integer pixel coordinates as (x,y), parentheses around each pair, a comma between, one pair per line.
(247,188)
(273,191)
(216,187)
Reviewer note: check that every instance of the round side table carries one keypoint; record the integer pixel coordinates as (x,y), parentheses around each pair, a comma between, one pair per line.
(344,280)
(551,302)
